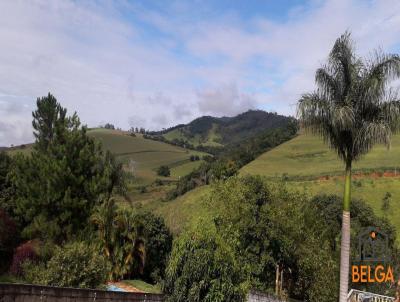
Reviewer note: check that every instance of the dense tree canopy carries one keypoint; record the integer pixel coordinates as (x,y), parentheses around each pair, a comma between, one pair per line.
(5,184)
(202,268)
(58,184)
(261,232)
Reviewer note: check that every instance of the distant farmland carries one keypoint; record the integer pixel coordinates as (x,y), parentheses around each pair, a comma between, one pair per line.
(146,155)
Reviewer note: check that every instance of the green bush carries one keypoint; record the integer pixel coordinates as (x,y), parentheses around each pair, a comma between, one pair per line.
(202,269)
(74,265)
(158,245)
(255,228)
(164,171)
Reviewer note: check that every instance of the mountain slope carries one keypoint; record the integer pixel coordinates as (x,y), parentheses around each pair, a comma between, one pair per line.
(307,155)
(212,131)
(144,156)
(307,165)
(184,210)
(139,155)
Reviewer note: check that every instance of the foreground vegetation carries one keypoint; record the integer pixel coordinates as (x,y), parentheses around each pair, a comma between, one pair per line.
(258,231)
(59,224)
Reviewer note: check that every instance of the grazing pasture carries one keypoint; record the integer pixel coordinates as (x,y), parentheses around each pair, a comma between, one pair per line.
(144,156)
(306,164)
(307,155)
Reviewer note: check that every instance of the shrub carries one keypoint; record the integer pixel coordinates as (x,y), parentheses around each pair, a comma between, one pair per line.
(74,265)
(200,269)
(158,245)
(8,231)
(164,171)
(25,252)
(8,239)
(386,202)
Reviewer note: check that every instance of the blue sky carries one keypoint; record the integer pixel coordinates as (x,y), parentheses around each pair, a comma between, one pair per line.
(154,64)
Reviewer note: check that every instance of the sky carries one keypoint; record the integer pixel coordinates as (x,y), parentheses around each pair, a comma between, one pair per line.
(155,64)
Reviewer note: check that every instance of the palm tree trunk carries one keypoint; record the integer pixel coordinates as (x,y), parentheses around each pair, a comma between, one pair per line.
(345,243)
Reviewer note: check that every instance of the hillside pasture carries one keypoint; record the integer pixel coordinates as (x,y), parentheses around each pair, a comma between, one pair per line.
(307,155)
(370,189)
(306,164)
(144,156)
(183,211)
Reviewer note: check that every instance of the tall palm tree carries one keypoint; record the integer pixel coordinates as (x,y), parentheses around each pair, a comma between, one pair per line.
(352,109)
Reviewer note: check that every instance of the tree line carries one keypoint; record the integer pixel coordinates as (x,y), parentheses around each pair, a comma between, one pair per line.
(227,161)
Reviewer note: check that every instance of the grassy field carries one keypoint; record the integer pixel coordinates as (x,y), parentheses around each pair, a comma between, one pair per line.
(307,155)
(309,166)
(183,211)
(187,209)
(24,149)
(185,168)
(144,156)
(371,190)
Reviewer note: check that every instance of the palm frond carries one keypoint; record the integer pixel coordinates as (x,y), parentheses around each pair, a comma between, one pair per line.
(326,82)
(312,111)
(342,118)
(390,113)
(380,70)
(370,134)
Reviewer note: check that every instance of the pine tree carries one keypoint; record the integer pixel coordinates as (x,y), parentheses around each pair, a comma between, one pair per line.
(57,186)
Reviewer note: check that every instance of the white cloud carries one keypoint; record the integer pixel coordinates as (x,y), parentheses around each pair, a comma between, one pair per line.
(100,63)
(291,51)
(225,100)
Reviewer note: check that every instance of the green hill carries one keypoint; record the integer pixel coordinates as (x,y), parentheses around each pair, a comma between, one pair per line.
(182,211)
(139,155)
(216,132)
(144,156)
(305,163)
(307,155)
